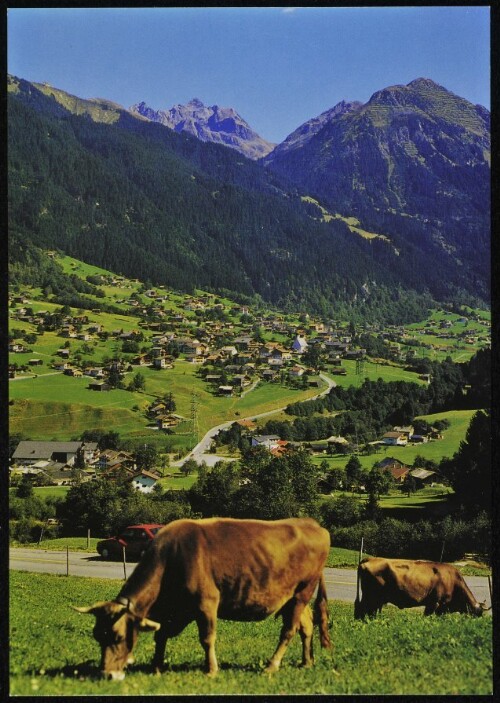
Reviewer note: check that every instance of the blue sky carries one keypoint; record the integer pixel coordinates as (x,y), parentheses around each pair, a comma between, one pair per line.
(278,67)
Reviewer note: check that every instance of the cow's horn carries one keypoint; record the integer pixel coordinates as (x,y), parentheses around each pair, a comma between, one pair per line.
(151,625)
(90,609)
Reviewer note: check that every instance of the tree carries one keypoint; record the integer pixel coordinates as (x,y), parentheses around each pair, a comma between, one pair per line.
(354,472)
(409,485)
(469,470)
(79,459)
(378,482)
(336,478)
(146,457)
(341,511)
(276,487)
(169,401)
(95,504)
(213,492)
(312,356)
(105,440)
(115,378)
(25,488)
(138,382)
(189,467)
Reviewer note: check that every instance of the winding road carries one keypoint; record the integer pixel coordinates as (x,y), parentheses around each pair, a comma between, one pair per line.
(200,453)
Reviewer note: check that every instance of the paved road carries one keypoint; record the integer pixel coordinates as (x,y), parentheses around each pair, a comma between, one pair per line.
(340,583)
(201,453)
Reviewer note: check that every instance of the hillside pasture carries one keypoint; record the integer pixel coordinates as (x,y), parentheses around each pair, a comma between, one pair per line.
(450,655)
(60,407)
(433,450)
(373,371)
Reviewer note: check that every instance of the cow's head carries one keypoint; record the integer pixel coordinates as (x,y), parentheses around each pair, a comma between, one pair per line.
(479,608)
(116,629)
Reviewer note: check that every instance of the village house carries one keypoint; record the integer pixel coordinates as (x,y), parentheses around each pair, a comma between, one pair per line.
(424,477)
(225,390)
(299,344)
(162,362)
(17,348)
(395,438)
(99,386)
(30,452)
(144,481)
(166,422)
(268,441)
(407,430)
(114,460)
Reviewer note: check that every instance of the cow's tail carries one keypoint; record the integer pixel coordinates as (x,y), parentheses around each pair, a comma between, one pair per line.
(321,613)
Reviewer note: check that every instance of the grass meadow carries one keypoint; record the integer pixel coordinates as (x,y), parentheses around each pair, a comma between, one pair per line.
(53,653)
(61,407)
(433,450)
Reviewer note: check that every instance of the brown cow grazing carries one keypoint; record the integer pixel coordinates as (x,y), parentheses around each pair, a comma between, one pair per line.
(406,583)
(218,567)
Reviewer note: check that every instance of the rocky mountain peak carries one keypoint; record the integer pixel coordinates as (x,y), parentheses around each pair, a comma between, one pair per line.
(196,103)
(222,125)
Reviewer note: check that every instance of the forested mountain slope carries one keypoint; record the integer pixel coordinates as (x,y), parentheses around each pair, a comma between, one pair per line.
(413,163)
(118,191)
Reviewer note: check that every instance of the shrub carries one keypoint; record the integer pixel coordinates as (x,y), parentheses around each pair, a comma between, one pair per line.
(421,540)
(26,529)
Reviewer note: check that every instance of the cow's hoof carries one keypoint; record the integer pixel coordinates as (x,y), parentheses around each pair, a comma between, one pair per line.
(212,674)
(271,669)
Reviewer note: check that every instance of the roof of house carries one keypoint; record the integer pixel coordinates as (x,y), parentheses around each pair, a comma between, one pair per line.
(266,438)
(422,473)
(146,474)
(398,471)
(27,449)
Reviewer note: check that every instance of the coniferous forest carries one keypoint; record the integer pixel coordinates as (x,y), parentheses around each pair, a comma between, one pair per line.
(139,199)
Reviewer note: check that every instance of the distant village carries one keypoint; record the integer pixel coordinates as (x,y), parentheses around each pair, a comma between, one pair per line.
(232,355)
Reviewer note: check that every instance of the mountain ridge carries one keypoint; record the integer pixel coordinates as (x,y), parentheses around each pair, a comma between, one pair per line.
(222,125)
(412,151)
(113,188)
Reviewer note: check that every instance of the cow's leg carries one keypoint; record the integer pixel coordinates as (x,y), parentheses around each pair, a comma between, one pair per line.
(306,634)
(160,637)
(166,631)
(207,624)
(291,613)
(430,608)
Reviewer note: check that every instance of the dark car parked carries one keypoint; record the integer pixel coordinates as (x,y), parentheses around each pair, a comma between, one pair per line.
(135,538)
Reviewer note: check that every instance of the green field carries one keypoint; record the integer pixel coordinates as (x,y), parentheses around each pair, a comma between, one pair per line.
(433,450)
(53,653)
(373,371)
(61,407)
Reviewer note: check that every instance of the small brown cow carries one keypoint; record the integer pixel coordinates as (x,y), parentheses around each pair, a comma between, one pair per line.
(199,570)
(406,583)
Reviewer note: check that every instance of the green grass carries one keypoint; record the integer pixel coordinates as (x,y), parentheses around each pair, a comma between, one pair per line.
(49,491)
(52,651)
(78,544)
(433,450)
(373,371)
(62,407)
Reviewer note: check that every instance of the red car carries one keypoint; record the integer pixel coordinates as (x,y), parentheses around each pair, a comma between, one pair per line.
(135,538)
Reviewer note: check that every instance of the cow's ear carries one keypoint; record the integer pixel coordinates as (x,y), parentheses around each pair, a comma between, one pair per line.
(146,625)
(91,609)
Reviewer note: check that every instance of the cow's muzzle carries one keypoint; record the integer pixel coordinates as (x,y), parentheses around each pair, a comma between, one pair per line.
(113,675)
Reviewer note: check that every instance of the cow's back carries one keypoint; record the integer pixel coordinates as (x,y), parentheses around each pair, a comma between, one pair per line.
(255,566)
